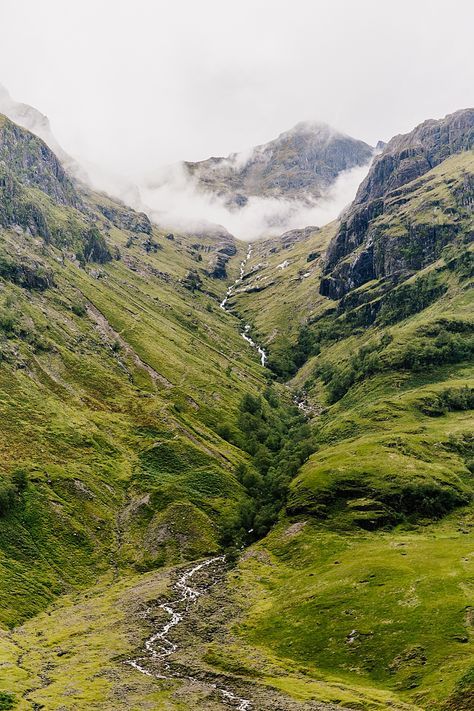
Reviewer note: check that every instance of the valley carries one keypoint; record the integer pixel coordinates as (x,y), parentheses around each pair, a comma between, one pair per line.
(238,475)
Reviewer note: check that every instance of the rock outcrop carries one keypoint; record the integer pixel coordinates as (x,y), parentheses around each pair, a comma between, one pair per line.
(364,249)
(127,219)
(28,159)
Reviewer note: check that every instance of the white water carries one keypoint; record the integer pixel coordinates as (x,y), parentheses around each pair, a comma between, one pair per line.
(159,646)
(230,291)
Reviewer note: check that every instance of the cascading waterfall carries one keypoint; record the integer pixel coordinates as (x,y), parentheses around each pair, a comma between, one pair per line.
(223,305)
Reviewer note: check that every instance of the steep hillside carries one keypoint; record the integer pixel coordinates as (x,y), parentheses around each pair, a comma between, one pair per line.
(369,576)
(118,367)
(140,433)
(301,163)
(33,120)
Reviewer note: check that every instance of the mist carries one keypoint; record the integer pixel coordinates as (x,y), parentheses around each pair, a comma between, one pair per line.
(131,87)
(135,86)
(178,202)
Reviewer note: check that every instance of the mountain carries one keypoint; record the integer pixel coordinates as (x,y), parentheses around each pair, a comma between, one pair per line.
(371,241)
(33,120)
(142,440)
(301,163)
(371,317)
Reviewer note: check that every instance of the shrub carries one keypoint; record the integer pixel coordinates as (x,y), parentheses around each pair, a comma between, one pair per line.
(410,298)
(449,400)
(279,441)
(7,701)
(421,353)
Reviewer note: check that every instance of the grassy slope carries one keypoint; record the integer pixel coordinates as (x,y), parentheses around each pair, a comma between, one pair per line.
(127,472)
(290,293)
(406,591)
(113,419)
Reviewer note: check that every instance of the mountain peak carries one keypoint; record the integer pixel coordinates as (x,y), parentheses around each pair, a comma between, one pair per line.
(313,128)
(301,163)
(33,120)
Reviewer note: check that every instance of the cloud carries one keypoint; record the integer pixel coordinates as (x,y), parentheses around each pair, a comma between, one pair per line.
(132,86)
(176,201)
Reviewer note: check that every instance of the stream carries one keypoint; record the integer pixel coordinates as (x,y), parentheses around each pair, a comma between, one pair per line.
(159,646)
(229,293)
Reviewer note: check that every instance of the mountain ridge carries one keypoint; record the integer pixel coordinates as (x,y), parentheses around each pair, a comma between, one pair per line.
(302,163)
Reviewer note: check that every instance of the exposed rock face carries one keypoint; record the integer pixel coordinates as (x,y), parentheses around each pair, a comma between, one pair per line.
(219,250)
(409,156)
(363,248)
(27,169)
(28,274)
(219,258)
(302,162)
(33,120)
(95,247)
(15,209)
(30,160)
(127,219)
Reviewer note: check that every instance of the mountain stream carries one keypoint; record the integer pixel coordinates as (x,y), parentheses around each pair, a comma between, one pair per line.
(158,647)
(223,305)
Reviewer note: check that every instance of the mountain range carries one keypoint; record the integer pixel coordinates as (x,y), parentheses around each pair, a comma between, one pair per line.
(182,527)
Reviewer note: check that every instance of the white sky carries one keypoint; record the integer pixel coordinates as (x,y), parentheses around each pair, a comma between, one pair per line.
(131,85)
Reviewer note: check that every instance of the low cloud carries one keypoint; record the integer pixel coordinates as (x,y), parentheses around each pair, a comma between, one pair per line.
(176,201)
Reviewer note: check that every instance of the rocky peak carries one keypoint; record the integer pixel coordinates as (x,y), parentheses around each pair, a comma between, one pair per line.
(33,120)
(300,163)
(408,156)
(28,159)
(357,255)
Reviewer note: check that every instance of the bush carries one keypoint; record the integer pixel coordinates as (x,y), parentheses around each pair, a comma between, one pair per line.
(78,309)
(449,400)
(11,490)
(410,298)
(442,347)
(7,498)
(279,441)
(7,701)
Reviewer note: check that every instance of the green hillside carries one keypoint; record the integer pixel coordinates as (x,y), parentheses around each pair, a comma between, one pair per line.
(140,432)
(115,376)
(369,575)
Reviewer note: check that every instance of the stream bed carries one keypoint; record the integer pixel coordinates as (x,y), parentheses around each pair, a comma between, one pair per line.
(158,648)
(246,332)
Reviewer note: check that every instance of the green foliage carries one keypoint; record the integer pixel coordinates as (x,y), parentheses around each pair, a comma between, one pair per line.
(79,309)
(438,347)
(279,441)
(7,701)
(448,400)
(410,298)
(11,489)
(95,247)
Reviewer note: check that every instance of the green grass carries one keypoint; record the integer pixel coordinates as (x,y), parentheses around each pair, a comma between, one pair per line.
(406,593)
(120,399)
(75,651)
(81,410)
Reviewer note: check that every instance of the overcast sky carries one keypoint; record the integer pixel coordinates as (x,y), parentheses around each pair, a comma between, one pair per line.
(131,85)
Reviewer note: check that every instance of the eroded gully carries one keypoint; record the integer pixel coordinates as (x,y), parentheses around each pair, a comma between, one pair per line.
(158,648)
(246,332)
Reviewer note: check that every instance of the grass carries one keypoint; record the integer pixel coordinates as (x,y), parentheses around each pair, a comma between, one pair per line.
(369,575)
(120,392)
(389,610)
(75,651)
(84,400)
